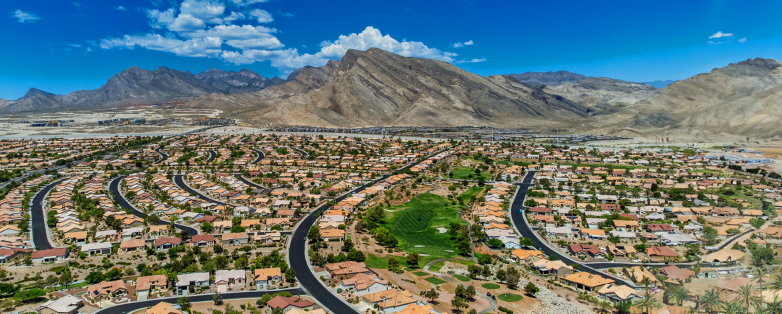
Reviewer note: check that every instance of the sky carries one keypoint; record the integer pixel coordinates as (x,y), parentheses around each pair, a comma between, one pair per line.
(63,46)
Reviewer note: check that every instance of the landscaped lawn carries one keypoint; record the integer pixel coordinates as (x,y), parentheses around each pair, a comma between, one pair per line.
(415,225)
(461,278)
(437,266)
(461,172)
(421,273)
(435,280)
(490,286)
(373,261)
(509,297)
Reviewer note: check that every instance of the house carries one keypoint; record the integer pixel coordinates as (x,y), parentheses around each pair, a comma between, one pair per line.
(163,308)
(638,273)
(618,293)
(150,284)
(586,281)
(347,269)
(362,284)
(332,234)
(585,249)
(390,301)
(661,254)
(165,243)
(674,272)
(266,276)
(224,278)
(130,246)
(593,234)
(289,303)
(659,228)
(7,255)
(202,240)
(676,239)
(726,255)
(541,211)
(240,238)
(106,290)
(68,304)
(525,256)
(557,267)
(50,255)
(191,281)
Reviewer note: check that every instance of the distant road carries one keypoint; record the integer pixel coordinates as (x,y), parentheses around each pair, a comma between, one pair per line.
(212,156)
(260,156)
(163,156)
(126,308)
(180,182)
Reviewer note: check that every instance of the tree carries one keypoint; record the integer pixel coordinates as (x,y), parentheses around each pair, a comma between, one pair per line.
(94,277)
(604,306)
(217,298)
(512,281)
(412,259)
(65,279)
(184,302)
(647,302)
(290,274)
(7,303)
(531,289)
(502,275)
(356,256)
(459,303)
(709,235)
(29,294)
(206,227)
(314,234)
(679,295)
(710,300)
(623,307)
(494,242)
(432,294)
(393,263)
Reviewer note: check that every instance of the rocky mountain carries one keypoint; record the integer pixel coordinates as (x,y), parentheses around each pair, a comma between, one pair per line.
(547,78)
(596,92)
(659,83)
(375,87)
(139,86)
(741,99)
(244,81)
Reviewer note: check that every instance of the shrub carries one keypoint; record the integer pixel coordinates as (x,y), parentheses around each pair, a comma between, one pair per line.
(505,310)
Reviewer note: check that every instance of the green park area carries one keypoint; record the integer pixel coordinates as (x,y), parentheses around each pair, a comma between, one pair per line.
(435,280)
(509,297)
(490,286)
(461,172)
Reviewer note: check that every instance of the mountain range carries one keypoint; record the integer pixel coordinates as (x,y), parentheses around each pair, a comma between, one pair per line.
(375,87)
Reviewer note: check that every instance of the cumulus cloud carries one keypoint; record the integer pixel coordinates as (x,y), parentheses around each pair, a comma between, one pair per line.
(24,17)
(121,8)
(743,40)
(197,47)
(262,16)
(186,23)
(460,44)
(205,10)
(720,34)
(247,2)
(475,60)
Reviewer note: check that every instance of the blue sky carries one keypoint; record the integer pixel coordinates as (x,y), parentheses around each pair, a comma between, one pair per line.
(62,46)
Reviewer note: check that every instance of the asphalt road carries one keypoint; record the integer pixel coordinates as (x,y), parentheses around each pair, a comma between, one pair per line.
(38,218)
(525,231)
(114,188)
(260,156)
(163,156)
(250,183)
(212,156)
(180,182)
(132,306)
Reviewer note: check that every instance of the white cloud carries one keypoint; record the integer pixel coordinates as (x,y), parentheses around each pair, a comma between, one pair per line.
(234,32)
(198,47)
(205,10)
(233,17)
(247,2)
(186,23)
(743,40)
(476,60)
(460,44)
(121,8)
(256,43)
(720,34)
(25,16)
(75,45)
(158,19)
(262,16)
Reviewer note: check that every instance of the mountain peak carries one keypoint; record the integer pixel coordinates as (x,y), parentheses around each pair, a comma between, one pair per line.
(35,92)
(547,78)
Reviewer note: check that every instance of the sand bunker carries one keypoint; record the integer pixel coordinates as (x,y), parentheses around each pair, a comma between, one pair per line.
(442,230)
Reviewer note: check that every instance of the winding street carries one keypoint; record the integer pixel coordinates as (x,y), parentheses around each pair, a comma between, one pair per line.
(180,182)
(163,156)
(212,156)
(250,183)
(38,218)
(257,159)
(114,188)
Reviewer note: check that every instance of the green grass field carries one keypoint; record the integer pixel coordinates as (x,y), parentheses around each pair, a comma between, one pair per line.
(373,261)
(509,297)
(461,278)
(465,172)
(490,286)
(421,273)
(435,280)
(415,225)
(439,265)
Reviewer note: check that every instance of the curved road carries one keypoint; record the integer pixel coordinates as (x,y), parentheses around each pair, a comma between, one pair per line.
(180,182)
(114,188)
(260,156)
(38,218)
(132,306)
(212,156)
(250,183)
(163,156)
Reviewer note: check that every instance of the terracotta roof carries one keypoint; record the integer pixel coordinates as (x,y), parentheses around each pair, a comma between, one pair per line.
(202,237)
(280,302)
(164,240)
(144,283)
(163,308)
(588,279)
(50,252)
(660,251)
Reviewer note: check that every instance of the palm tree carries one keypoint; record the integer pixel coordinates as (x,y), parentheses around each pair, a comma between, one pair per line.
(733,307)
(775,306)
(646,281)
(692,310)
(647,302)
(679,295)
(776,282)
(760,272)
(711,300)
(745,292)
